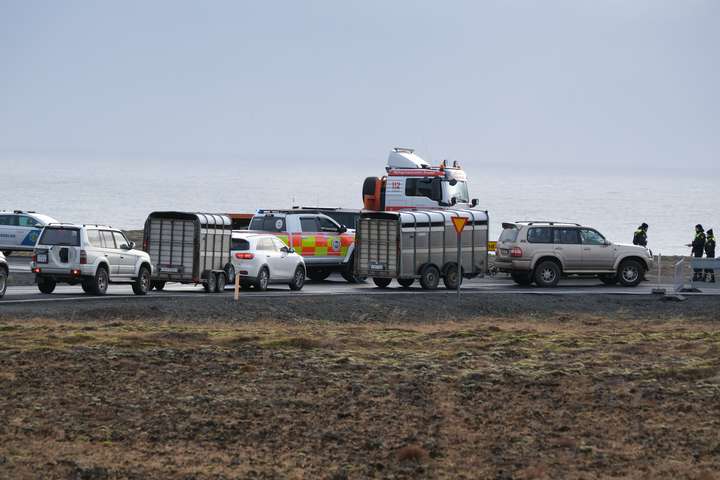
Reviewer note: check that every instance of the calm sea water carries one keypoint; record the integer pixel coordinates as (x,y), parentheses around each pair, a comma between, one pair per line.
(123,195)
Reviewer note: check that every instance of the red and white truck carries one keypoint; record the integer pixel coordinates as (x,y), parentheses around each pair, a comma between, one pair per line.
(412,183)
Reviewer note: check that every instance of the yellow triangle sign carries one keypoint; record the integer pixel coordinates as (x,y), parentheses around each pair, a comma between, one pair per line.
(459,223)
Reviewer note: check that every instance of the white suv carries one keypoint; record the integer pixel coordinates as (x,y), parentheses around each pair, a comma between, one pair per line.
(20,230)
(261,259)
(4,272)
(90,255)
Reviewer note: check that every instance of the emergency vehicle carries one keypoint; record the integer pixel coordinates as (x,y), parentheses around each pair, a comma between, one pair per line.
(412,183)
(325,245)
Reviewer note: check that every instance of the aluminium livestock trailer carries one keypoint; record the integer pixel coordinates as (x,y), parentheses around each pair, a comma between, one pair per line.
(189,248)
(420,244)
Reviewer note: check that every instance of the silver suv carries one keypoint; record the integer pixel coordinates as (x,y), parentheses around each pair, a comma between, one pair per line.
(542,252)
(90,255)
(4,272)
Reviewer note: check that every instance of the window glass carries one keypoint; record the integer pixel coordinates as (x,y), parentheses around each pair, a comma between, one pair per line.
(308,224)
(266,244)
(25,221)
(567,236)
(278,244)
(459,192)
(268,224)
(120,240)
(418,187)
(540,235)
(94,238)
(591,237)
(107,239)
(6,219)
(60,236)
(239,244)
(327,225)
(509,235)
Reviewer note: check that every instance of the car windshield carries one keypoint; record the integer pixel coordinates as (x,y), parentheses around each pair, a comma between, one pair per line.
(459,192)
(60,236)
(239,244)
(509,235)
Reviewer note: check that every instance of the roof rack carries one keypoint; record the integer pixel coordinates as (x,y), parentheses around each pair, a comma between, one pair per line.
(96,225)
(60,223)
(549,222)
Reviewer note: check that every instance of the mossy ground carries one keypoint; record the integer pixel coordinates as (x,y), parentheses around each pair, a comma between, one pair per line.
(562,396)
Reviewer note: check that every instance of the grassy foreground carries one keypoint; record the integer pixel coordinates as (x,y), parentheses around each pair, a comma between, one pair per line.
(567,397)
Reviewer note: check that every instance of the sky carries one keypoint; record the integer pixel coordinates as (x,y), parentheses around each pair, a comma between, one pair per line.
(557,84)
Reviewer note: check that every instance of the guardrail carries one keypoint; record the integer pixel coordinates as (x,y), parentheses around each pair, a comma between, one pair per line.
(683,282)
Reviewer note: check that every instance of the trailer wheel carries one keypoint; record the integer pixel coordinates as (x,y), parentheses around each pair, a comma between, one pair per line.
(452,278)
(157,285)
(220,283)
(382,282)
(210,283)
(405,282)
(318,274)
(430,277)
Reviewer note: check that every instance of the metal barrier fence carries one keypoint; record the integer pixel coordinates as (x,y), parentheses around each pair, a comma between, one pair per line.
(683,281)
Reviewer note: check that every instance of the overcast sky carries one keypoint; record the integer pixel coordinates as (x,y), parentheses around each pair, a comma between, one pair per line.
(581,84)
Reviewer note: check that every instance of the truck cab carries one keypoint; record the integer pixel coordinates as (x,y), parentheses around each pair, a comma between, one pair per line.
(412,183)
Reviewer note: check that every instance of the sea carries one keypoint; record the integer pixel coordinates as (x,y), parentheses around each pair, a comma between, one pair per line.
(122,194)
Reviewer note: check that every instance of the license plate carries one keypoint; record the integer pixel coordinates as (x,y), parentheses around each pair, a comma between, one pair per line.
(42,258)
(169,269)
(377,266)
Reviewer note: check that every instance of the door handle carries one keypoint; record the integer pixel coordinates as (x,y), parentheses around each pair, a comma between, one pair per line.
(558,248)
(587,249)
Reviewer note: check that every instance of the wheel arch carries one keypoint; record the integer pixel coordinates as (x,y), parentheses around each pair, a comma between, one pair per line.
(543,258)
(638,259)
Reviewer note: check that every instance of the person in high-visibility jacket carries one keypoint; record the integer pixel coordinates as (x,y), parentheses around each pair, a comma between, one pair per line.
(640,237)
(698,249)
(710,252)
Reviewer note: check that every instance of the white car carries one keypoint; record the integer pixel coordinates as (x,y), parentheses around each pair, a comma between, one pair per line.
(20,230)
(4,272)
(261,259)
(90,255)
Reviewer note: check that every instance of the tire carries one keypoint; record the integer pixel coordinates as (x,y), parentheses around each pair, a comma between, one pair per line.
(318,274)
(451,277)
(210,283)
(86,285)
(3,282)
(262,280)
(547,274)
(220,283)
(609,279)
(382,282)
(230,273)
(630,273)
(99,284)
(141,286)
(298,279)
(158,285)
(523,279)
(430,277)
(46,285)
(406,282)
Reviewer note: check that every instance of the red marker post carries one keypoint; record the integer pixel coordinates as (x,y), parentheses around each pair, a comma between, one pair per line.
(459,223)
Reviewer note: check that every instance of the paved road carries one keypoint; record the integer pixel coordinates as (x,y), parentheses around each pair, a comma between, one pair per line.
(334,286)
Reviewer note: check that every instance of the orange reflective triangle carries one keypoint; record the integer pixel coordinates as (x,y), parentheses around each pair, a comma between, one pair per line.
(459,223)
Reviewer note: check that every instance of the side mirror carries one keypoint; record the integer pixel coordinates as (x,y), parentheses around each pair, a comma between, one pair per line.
(285,250)
(453,201)
(291,250)
(131,246)
(607,243)
(474,202)
(343,229)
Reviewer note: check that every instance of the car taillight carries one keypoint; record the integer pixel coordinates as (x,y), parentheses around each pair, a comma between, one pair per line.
(244,256)
(83,257)
(145,245)
(516,252)
(34,257)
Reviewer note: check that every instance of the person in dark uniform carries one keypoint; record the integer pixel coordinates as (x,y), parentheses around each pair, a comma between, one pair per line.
(640,237)
(710,252)
(698,249)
